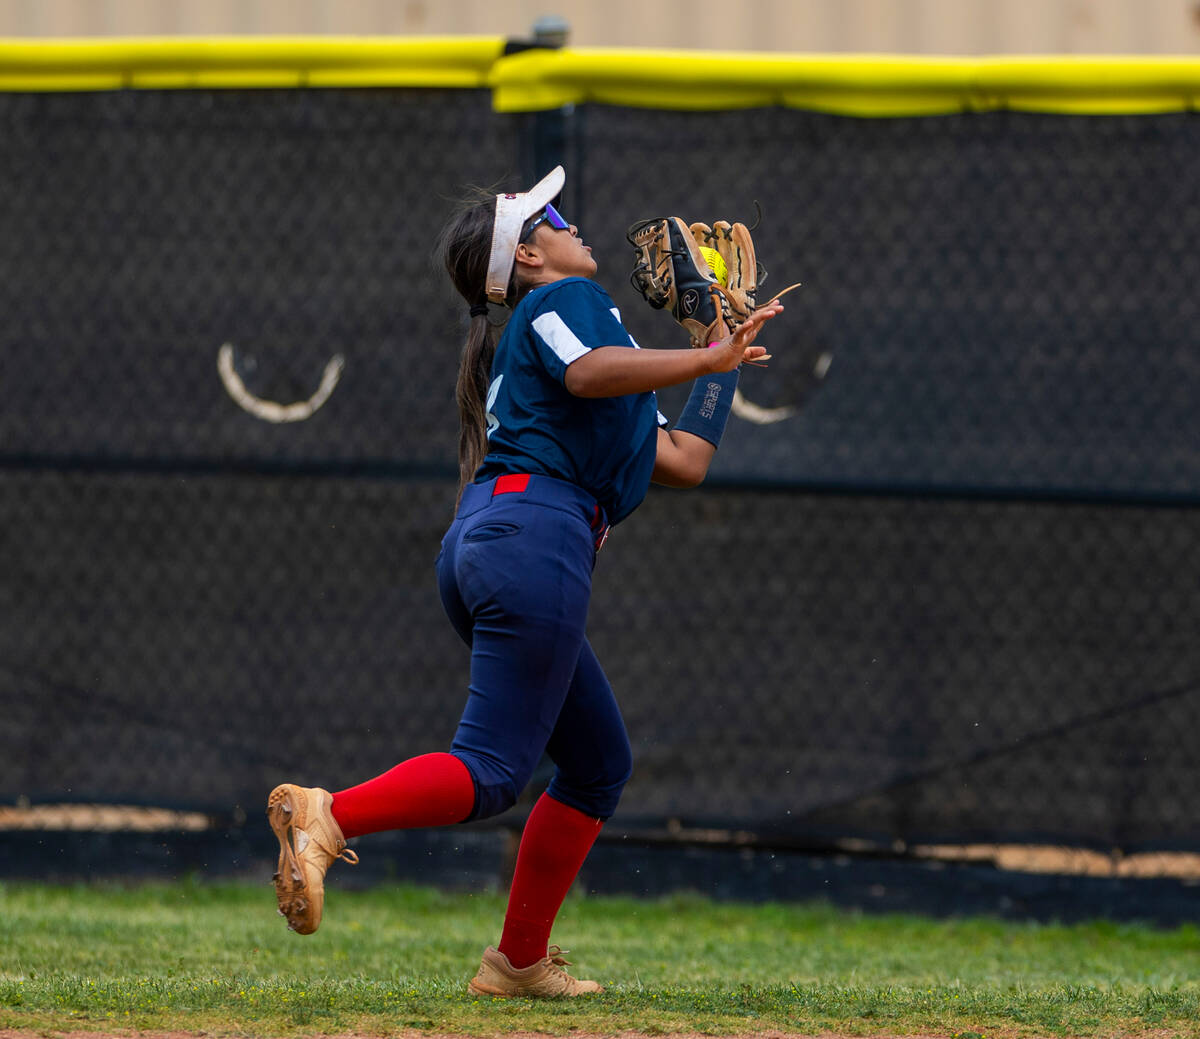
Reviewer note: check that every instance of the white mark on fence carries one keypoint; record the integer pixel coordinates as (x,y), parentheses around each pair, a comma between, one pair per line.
(760,416)
(269,410)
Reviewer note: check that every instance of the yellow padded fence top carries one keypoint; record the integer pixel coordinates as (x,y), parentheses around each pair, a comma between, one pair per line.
(862,85)
(239,61)
(531,80)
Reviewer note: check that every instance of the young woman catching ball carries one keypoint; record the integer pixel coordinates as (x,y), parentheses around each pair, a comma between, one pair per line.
(560,437)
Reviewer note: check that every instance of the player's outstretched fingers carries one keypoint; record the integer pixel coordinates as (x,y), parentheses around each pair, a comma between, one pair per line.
(746,332)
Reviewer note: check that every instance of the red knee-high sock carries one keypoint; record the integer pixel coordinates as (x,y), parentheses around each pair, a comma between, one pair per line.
(556,841)
(430,790)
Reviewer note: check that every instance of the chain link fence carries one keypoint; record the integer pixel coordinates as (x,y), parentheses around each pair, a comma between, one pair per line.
(947,593)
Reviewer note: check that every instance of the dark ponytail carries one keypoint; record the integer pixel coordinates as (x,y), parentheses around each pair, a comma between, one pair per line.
(474,374)
(466,248)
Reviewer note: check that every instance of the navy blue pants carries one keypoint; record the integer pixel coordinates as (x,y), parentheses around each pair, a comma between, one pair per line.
(515,577)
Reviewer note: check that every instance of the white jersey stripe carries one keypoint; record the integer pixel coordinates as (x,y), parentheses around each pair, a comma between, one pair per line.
(559,337)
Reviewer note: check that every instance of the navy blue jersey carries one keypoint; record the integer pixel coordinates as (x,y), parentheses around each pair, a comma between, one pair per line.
(605,445)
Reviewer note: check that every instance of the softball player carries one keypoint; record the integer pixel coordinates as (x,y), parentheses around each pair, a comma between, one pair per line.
(560,438)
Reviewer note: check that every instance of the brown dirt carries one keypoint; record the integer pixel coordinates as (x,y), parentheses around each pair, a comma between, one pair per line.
(1021,858)
(100,818)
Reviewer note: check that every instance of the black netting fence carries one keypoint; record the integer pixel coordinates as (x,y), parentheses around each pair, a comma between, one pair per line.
(951,597)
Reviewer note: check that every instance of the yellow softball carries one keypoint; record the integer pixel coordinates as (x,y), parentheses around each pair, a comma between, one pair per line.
(715,264)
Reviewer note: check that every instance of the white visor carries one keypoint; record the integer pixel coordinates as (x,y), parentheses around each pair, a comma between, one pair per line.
(511,213)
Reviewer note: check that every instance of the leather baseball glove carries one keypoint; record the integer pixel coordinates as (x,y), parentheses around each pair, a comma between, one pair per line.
(672,273)
(706,276)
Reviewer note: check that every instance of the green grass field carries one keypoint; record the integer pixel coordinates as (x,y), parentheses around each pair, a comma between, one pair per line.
(216,958)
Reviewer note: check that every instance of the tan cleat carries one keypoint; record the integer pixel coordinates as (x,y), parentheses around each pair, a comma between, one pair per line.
(309,841)
(545,979)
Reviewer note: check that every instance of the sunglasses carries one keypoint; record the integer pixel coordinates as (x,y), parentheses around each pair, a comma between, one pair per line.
(548,215)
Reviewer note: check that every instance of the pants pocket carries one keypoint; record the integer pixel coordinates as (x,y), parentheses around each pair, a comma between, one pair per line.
(492,530)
